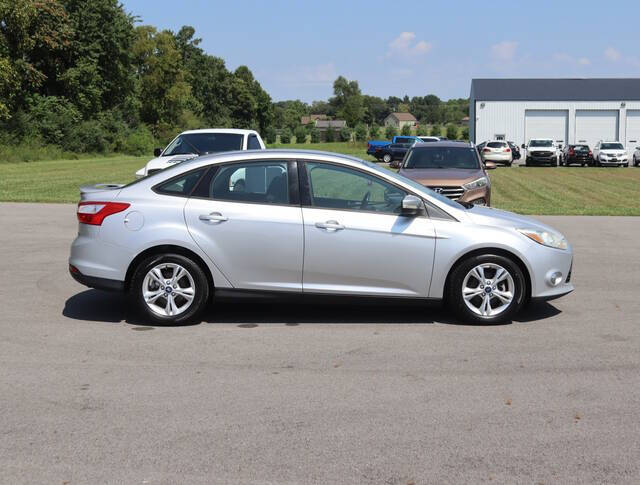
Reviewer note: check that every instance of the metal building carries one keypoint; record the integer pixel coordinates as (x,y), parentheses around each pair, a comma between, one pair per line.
(566,110)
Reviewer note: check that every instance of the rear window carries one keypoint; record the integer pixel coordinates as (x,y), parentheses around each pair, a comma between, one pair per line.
(442,157)
(496,144)
(404,139)
(581,148)
(203,143)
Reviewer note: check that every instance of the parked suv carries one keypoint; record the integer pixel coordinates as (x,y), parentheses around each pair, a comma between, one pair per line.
(497,151)
(610,154)
(450,168)
(576,154)
(541,151)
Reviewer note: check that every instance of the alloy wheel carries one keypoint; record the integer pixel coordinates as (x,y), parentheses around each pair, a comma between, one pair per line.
(488,289)
(168,289)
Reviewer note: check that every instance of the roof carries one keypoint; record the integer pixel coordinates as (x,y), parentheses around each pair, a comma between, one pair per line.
(234,131)
(444,143)
(403,116)
(308,119)
(331,123)
(593,89)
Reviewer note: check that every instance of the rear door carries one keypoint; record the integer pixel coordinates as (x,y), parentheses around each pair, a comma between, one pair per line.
(247,218)
(355,240)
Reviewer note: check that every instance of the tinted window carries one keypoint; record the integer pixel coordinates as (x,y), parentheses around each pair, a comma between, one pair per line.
(261,182)
(581,148)
(612,146)
(442,157)
(404,139)
(253,143)
(496,144)
(182,185)
(336,187)
(202,143)
(541,143)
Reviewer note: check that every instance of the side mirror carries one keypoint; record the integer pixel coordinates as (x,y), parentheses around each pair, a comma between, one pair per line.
(412,206)
(523,146)
(157,152)
(489,165)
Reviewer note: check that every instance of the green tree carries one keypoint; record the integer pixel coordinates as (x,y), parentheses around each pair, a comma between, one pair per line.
(436,130)
(301,134)
(390,131)
(406,130)
(422,130)
(361,132)
(374,131)
(345,134)
(285,136)
(270,135)
(315,135)
(465,133)
(347,100)
(452,131)
(329,135)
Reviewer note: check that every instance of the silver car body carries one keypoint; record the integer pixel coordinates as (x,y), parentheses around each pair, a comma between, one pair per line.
(295,248)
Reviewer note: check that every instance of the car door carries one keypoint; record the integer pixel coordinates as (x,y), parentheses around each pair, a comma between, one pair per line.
(356,241)
(246,217)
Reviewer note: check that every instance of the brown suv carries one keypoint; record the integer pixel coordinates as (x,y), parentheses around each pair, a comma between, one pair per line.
(453,169)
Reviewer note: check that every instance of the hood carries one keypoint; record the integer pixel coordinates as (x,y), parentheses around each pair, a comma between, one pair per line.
(442,176)
(613,151)
(160,163)
(496,217)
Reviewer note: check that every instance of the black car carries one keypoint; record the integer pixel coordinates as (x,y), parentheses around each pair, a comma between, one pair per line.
(577,154)
(515,150)
(392,154)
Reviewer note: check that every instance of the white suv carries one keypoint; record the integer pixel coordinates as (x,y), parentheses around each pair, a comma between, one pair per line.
(610,153)
(191,144)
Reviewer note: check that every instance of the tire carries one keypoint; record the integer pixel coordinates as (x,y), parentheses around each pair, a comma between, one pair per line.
(386,158)
(509,164)
(511,282)
(193,283)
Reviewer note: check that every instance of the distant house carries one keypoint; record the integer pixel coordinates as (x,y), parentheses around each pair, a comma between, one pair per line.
(464,121)
(398,120)
(323,125)
(305,120)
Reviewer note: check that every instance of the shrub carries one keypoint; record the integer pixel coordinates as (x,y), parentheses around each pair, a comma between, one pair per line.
(465,133)
(374,131)
(270,135)
(329,135)
(422,130)
(361,132)
(406,130)
(436,130)
(389,132)
(51,118)
(345,134)
(452,131)
(315,136)
(86,137)
(139,142)
(285,136)
(301,134)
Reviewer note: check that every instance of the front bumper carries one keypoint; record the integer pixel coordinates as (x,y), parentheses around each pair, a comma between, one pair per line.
(613,163)
(542,160)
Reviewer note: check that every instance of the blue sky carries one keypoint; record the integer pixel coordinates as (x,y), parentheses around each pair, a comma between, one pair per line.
(297,49)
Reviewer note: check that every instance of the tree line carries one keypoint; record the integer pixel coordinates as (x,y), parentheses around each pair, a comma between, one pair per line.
(84,75)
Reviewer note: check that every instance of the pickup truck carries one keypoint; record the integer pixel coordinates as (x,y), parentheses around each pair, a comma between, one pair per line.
(373,145)
(191,144)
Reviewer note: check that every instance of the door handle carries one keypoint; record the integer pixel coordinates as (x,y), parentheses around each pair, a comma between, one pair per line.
(330,225)
(213,217)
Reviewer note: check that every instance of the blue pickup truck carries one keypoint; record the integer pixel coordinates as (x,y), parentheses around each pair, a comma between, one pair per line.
(374,145)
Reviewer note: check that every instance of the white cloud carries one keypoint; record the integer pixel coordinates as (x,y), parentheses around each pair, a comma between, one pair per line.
(612,54)
(504,51)
(406,46)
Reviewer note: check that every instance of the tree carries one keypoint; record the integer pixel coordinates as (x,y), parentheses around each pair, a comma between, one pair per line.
(329,135)
(390,131)
(422,130)
(301,134)
(465,133)
(436,130)
(345,134)
(361,132)
(315,135)
(285,136)
(270,135)
(375,109)
(347,100)
(452,131)
(374,131)
(406,130)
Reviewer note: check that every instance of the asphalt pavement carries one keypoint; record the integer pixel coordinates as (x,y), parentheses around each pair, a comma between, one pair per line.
(274,393)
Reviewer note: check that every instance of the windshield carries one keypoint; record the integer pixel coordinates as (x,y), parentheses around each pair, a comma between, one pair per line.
(442,157)
(203,143)
(418,187)
(541,143)
(612,146)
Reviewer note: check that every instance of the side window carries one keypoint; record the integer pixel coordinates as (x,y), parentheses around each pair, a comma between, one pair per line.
(253,143)
(258,182)
(337,187)
(181,185)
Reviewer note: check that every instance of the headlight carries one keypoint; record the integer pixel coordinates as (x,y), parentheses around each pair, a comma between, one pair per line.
(477,183)
(546,238)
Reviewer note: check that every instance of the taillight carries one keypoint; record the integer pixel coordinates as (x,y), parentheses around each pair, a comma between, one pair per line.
(590,153)
(93,213)
(507,149)
(486,150)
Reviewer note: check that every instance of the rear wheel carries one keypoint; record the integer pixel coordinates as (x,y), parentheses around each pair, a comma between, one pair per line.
(386,158)
(487,289)
(169,289)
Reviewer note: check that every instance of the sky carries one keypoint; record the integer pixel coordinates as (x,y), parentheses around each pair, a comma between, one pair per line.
(296,49)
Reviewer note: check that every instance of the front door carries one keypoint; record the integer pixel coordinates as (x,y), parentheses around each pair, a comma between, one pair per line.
(355,240)
(247,218)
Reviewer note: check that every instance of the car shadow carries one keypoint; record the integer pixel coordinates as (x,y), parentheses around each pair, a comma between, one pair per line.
(99,306)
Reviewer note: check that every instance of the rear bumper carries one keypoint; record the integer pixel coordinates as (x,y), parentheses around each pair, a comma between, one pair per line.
(95,282)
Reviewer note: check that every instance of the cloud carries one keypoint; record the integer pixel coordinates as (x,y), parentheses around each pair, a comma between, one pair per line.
(584,61)
(612,54)
(405,45)
(567,59)
(504,51)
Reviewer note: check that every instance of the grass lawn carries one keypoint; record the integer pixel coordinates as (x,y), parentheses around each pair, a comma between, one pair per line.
(562,190)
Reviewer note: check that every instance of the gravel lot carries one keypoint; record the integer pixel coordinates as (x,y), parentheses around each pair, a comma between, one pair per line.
(316,394)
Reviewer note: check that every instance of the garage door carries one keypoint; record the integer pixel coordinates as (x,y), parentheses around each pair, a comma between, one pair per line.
(542,123)
(633,129)
(595,125)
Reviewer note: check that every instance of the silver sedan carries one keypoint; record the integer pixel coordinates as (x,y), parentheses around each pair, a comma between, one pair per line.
(293,223)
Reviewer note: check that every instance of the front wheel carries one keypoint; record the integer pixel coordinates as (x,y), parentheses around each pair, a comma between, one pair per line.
(486,289)
(169,289)
(387,158)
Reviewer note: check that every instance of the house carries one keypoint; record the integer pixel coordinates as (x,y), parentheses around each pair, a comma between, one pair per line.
(305,120)
(336,125)
(399,120)
(568,111)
